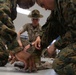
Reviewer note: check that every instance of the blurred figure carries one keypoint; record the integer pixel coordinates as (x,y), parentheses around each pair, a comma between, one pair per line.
(63,16)
(33,30)
(7,30)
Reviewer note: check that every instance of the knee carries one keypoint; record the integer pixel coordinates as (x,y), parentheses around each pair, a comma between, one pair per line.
(64,69)
(58,66)
(3,59)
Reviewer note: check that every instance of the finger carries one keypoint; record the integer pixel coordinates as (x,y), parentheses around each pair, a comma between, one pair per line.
(13,60)
(39,45)
(36,45)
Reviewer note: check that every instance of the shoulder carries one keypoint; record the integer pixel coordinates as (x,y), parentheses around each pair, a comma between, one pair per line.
(26,25)
(64,2)
(66,5)
(39,26)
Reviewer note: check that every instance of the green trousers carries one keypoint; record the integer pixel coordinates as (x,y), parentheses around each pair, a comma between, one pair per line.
(65,62)
(3,54)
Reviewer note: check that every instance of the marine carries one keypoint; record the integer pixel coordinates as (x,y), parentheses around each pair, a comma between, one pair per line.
(7,30)
(64,14)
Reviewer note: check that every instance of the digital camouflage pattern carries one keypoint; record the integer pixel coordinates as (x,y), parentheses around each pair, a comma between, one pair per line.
(53,29)
(3,54)
(32,32)
(7,33)
(65,63)
(31,62)
(7,30)
(21,55)
(62,22)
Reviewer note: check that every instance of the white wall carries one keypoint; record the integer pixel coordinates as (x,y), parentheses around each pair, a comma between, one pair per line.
(23,19)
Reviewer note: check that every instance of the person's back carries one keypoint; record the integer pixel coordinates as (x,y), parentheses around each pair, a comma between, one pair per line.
(64,63)
(7,30)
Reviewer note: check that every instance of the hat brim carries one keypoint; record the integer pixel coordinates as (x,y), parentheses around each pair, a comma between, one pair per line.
(40,16)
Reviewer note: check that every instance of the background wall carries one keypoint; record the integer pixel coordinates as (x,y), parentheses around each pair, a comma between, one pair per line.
(23,19)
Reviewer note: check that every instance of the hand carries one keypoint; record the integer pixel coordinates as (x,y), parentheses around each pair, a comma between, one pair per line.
(27,47)
(19,42)
(37,43)
(51,49)
(11,58)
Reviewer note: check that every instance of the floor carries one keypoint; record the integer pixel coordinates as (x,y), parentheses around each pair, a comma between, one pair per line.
(11,70)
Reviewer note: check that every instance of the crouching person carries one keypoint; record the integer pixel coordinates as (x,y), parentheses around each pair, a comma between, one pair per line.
(27,54)
(33,30)
(7,30)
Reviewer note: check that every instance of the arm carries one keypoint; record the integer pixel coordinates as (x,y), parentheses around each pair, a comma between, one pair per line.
(29,45)
(69,15)
(22,30)
(49,32)
(18,37)
(37,42)
(70,20)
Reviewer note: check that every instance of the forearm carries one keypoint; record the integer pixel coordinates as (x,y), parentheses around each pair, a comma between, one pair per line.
(63,41)
(19,40)
(69,24)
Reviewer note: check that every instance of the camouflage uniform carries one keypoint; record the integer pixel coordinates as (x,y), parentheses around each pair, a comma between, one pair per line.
(64,17)
(33,31)
(7,30)
(6,27)
(32,34)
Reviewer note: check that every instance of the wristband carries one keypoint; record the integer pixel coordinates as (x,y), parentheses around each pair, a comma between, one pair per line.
(30,44)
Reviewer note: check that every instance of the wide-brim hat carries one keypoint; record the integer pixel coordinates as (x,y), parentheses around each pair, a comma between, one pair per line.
(35,14)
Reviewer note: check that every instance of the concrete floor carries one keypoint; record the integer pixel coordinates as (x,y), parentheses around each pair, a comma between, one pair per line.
(11,70)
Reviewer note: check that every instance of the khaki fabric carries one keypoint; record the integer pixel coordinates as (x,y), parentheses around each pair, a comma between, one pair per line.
(32,32)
